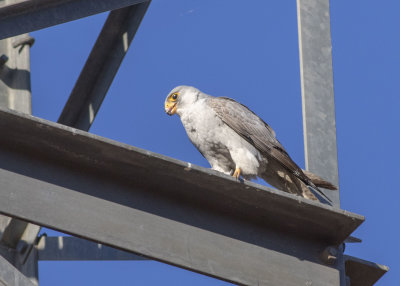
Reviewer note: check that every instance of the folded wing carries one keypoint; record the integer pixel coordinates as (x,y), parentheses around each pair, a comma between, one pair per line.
(258,133)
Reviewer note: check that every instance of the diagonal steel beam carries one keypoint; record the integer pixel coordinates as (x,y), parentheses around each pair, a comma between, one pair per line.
(164,209)
(11,276)
(101,66)
(30,15)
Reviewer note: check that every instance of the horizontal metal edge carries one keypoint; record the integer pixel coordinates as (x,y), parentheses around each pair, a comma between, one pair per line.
(31,15)
(362,272)
(177,179)
(69,248)
(157,223)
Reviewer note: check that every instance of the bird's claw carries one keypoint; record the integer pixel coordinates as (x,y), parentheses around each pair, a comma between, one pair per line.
(236,174)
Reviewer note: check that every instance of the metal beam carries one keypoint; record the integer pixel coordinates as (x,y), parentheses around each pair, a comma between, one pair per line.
(319,123)
(362,272)
(102,66)
(9,275)
(318,103)
(28,267)
(21,236)
(31,15)
(164,209)
(15,75)
(73,248)
(317,91)
(15,93)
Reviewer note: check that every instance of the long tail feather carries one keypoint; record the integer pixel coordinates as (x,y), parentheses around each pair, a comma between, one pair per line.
(320,182)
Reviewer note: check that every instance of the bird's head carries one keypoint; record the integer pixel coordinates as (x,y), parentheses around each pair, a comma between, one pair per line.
(179,98)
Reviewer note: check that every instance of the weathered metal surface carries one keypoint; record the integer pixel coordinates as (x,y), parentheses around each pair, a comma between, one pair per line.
(30,15)
(317,91)
(318,103)
(29,265)
(74,248)
(15,93)
(15,76)
(102,66)
(9,275)
(163,208)
(362,272)
(17,231)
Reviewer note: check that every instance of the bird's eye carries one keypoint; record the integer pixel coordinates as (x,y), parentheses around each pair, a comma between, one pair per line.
(174,96)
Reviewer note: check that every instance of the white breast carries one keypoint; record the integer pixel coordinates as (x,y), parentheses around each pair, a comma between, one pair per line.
(224,149)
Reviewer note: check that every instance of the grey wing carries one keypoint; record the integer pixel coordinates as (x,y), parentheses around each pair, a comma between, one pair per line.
(258,133)
(253,129)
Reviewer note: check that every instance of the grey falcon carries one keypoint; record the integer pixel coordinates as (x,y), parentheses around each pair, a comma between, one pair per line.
(235,140)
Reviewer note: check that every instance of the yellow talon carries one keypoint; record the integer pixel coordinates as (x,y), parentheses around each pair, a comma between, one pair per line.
(236,174)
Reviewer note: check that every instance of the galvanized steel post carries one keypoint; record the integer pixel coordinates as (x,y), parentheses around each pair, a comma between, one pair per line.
(318,102)
(15,93)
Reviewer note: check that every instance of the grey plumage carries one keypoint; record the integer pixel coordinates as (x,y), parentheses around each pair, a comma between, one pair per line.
(231,137)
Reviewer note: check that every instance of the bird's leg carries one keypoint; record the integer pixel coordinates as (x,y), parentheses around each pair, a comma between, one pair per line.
(236,174)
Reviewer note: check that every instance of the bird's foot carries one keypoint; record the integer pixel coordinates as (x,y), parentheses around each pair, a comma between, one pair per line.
(236,174)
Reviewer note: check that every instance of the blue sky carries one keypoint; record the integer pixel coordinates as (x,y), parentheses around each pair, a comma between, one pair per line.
(247,51)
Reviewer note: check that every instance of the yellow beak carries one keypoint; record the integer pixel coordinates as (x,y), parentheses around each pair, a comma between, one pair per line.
(170,107)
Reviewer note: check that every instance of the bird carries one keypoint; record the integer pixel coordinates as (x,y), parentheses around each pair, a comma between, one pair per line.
(237,142)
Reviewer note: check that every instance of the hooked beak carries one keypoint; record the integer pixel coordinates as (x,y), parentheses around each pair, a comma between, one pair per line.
(170,108)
